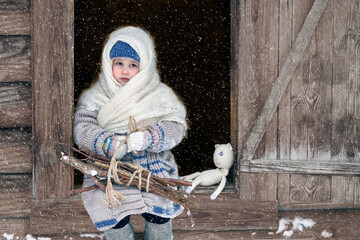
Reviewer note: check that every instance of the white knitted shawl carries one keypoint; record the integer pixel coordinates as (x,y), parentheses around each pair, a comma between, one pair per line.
(144,97)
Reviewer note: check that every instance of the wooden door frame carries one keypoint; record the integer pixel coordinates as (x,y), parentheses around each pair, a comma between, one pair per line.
(53,92)
(52,42)
(53,107)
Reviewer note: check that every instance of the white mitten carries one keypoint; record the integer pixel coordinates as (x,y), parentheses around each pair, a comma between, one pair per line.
(139,141)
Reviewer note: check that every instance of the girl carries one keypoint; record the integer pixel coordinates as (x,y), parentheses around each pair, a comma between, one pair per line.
(129,85)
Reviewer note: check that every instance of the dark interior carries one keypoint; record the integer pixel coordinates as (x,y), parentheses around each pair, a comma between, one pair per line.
(193,45)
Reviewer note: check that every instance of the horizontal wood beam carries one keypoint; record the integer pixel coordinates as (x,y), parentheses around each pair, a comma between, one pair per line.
(15,17)
(15,59)
(15,151)
(297,166)
(14,23)
(231,213)
(15,195)
(15,105)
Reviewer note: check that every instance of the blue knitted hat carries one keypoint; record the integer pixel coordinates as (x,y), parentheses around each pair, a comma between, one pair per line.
(122,49)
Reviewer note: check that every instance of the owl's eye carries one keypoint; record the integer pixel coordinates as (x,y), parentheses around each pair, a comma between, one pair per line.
(221,153)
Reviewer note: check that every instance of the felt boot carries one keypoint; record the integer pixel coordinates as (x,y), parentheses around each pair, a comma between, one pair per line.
(124,233)
(154,231)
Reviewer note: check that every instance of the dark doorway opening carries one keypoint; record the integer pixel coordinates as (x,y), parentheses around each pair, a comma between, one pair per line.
(193,46)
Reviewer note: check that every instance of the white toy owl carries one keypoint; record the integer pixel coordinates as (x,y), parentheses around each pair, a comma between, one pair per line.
(223,159)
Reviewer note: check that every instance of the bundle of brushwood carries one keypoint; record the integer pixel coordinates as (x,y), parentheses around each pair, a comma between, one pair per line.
(105,172)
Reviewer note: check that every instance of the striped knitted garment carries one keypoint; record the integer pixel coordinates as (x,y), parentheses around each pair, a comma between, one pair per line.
(158,159)
(103,112)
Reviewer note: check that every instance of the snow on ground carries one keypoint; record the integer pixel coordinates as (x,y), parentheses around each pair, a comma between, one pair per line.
(326,234)
(30,237)
(288,227)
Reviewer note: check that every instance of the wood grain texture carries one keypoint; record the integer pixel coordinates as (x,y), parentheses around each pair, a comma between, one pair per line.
(57,216)
(311,92)
(341,224)
(258,186)
(15,105)
(15,53)
(15,151)
(17,226)
(307,167)
(285,44)
(15,195)
(53,94)
(310,188)
(278,88)
(15,17)
(345,190)
(346,125)
(234,70)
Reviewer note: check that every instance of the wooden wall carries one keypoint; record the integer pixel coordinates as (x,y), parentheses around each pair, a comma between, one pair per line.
(310,150)
(15,115)
(308,157)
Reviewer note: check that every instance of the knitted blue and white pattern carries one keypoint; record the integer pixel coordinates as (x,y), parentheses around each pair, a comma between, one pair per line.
(158,159)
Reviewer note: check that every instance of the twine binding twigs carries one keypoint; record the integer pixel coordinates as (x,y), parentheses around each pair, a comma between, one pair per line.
(112,196)
(96,167)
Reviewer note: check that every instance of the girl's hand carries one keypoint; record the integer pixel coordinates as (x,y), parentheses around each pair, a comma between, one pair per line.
(139,141)
(111,144)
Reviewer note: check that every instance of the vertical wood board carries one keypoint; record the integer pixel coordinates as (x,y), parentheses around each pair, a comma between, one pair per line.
(346,125)
(278,88)
(53,94)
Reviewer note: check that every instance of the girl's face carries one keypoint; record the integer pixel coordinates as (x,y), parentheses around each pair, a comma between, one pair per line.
(124,69)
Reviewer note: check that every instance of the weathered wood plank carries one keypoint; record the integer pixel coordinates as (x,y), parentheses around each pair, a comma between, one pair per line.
(15,5)
(15,59)
(302,166)
(283,188)
(285,43)
(15,195)
(346,125)
(15,151)
(53,94)
(15,17)
(269,63)
(321,75)
(284,109)
(17,226)
(258,186)
(345,190)
(58,216)
(259,59)
(310,188)
(234,69)
(311,93)
(301,118)
(270,105)
(15,105)
(341,224)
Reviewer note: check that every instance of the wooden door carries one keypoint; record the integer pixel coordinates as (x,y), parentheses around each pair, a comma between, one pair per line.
(298,102)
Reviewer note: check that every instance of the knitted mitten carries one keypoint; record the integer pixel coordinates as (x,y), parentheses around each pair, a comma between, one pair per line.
(154,231)
(126,232)
(110,145)
(141,140)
